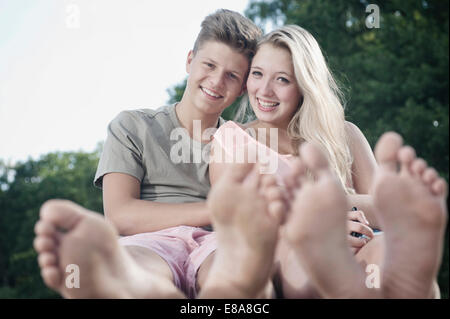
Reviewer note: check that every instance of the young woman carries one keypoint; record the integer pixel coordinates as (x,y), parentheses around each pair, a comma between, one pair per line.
(295,96)
(293,93)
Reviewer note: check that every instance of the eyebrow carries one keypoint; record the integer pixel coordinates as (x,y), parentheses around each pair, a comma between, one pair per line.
(279,72)
(232,71)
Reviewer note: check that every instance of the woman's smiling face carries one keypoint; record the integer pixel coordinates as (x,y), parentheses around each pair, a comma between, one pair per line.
(272,86)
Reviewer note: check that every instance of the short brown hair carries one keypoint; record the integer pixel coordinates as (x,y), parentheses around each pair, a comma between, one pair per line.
(231,28)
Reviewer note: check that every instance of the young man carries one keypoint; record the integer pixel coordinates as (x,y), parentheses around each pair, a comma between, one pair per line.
(155,201)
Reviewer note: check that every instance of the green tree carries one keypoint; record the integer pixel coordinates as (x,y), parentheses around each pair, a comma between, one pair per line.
(24,187)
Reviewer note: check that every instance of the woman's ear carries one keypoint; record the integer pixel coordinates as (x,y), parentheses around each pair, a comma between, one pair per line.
(189,59)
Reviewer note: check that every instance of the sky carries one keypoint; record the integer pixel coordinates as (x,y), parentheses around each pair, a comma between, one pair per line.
(68,67)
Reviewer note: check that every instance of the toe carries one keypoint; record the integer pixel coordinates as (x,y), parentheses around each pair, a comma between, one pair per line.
(274,193)
(52,276)
(429,176)
(406,156)
(292,180)
(386,150)
(44,228)
(47,259)
(439,187)
(62,214)
(253,179)
(44,243)
(297,168)
(418,166)
(268,181)
(313,158)
(277,209)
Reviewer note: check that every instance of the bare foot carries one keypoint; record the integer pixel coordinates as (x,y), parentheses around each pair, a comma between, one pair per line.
(411,205)
(246,212)
(68,234)
(317,226)
(413,215)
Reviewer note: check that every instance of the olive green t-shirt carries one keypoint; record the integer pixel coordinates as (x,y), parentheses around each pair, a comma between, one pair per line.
(152,146)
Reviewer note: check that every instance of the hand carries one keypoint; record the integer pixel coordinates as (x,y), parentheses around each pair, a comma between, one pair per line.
(357,223)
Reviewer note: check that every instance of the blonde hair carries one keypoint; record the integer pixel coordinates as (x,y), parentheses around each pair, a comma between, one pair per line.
(320,117)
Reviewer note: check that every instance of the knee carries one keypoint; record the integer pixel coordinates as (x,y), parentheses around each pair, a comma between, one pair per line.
(203,271)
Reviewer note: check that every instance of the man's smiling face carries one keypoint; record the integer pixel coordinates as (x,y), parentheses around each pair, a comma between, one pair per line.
(217,76)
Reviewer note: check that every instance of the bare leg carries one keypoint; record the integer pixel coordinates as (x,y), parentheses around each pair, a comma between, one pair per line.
(150,261)
(69,234)
(246,224)
(203,271)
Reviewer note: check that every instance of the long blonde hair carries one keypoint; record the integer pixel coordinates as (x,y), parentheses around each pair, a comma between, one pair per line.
(320,117)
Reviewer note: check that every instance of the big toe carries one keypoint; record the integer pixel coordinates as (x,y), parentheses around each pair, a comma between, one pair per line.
(62,214)
(314,158)
(386,150)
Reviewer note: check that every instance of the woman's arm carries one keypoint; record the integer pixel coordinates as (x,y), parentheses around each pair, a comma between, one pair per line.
(363,171)
(132,215)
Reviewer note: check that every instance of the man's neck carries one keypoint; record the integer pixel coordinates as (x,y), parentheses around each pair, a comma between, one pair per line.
(187,114)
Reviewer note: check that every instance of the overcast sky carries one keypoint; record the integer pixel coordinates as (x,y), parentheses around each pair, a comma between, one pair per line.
(68,67)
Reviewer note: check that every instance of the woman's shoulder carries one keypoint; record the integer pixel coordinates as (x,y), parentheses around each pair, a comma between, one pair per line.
(351,127)
(355,136)
(353,131)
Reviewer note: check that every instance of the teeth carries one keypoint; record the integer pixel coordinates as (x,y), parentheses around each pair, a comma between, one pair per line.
(210,92)
(266,104)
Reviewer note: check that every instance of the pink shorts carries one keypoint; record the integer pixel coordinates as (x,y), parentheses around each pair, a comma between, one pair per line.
(184,248)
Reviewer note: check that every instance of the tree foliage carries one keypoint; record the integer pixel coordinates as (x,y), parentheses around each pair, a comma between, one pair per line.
(24,187)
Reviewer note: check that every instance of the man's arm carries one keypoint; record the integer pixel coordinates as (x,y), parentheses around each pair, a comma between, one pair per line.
(132,215)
